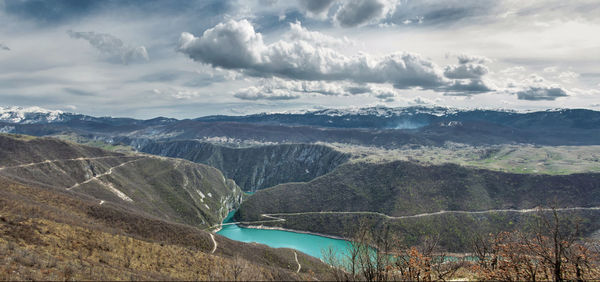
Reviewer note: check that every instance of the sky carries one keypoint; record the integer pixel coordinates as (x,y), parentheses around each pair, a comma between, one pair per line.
(185,59)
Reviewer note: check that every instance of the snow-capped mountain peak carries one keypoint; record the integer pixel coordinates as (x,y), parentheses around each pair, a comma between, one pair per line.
(30,115)
(386,112)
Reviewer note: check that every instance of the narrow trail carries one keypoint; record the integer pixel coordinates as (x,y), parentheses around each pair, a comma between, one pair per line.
(65,160)
(273,217)
(299,265)
(108,172)
(214,243)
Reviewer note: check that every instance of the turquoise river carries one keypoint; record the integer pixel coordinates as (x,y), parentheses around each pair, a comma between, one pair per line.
(307,243)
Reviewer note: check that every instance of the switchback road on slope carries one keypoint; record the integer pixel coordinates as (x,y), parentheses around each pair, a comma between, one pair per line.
(66,160)
(108,172)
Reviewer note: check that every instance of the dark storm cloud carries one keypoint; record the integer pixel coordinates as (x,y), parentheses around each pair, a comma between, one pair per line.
(541,93)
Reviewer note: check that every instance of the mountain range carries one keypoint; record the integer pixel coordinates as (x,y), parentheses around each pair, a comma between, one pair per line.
(385,127)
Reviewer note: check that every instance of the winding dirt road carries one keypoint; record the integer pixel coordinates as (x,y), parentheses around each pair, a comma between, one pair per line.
(214,243)
(65,160)
(299,265)
(108,172)
(275,217)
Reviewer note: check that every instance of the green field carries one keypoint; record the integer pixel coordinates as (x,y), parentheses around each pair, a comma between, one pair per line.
(523,158)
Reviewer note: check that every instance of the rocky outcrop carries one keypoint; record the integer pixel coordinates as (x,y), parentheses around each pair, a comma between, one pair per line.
(258,167)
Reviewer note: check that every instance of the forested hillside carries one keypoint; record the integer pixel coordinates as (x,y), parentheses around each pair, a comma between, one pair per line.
(419,200)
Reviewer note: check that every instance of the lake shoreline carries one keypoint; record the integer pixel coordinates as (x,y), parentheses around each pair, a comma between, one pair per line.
(298,240)
(292,230)
(343,244)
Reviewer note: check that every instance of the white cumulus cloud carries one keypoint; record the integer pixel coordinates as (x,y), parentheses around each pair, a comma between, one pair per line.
(535,88)
(468,75)
(299,33)
(264,93)
(236,45)
(465,71)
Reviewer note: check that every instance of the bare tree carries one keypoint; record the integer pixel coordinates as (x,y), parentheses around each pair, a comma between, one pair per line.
(482,247)
(369,255)
(237,267)
(551,250)
(338,271)
(552,239)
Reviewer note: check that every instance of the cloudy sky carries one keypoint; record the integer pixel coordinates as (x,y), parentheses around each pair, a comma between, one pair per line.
(183,59)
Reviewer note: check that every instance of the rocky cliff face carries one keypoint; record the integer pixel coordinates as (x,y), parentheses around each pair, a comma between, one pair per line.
(259,167)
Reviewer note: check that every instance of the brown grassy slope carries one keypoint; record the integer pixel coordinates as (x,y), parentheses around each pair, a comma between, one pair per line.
(22,149)
(48,234)
(174,190)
